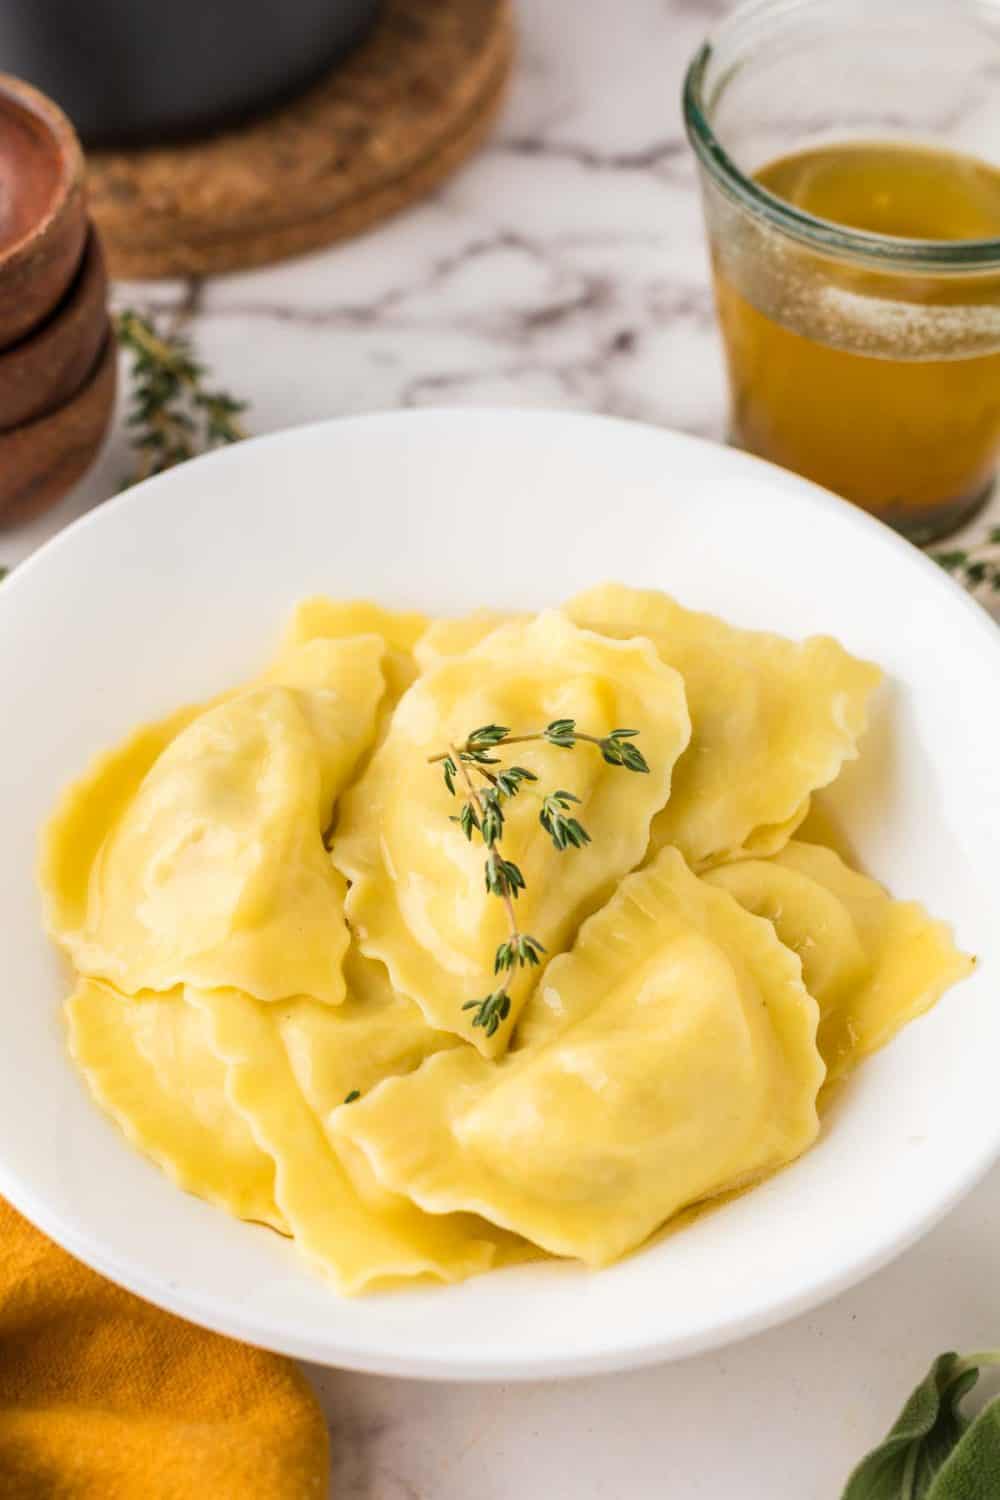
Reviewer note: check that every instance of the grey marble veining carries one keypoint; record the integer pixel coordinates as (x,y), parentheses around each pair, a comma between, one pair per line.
(564,266)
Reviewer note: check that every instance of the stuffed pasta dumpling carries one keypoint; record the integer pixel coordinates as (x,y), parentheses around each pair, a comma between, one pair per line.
(202,859)
(772,720)
(148,1061)
(873,964)
(356,1231)
(668,1056)
(452,635)
(417,900)
(320,618)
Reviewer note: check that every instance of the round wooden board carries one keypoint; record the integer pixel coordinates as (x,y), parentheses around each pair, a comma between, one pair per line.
(387,124)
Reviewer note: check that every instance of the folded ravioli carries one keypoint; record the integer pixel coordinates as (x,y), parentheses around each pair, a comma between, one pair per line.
(320,618)
(454,635)
(772,720)
(339,687)
(873,963)
(335,1051)
(418,900)
(669,1056)
(148,1061)
(211,868)
(355,1230)
(72,838)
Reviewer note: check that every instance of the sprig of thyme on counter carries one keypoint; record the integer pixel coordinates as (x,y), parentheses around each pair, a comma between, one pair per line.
(173,416)
(975,568)
(482,812)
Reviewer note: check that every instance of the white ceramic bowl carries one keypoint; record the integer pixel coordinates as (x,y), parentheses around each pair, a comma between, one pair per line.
(178,588)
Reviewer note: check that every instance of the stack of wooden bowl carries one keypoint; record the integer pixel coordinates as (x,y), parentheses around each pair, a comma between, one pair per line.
(57,349)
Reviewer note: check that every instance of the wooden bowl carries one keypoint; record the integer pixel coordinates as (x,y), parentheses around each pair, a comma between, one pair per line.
(40,461)
(43,221)
(48,366)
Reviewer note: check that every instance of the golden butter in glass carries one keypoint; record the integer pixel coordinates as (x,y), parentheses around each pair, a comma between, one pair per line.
(882,384)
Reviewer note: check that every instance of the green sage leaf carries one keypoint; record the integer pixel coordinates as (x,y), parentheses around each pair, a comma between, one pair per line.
(927,1437)
(972,1469)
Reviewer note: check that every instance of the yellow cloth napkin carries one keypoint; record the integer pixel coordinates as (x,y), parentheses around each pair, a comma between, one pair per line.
(103,1397)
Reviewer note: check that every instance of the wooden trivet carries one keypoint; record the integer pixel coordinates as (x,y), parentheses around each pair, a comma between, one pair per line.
(387,124)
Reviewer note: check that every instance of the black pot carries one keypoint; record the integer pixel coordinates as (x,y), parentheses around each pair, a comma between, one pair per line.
(133,72)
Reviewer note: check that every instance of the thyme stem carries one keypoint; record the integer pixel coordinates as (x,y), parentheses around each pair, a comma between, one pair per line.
(463,771)
(482,812)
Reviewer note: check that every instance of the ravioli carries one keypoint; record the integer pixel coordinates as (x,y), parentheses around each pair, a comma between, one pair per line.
(320,618)
(417,899)
(148,1062)
(668,1057)
(209,868)
(72,839)
(353,1229)
(772,720)
(873,964)
(277,923)
(339,685)
(454,635)
(339,1050)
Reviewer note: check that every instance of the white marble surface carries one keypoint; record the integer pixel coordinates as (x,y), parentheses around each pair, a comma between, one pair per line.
(565,266)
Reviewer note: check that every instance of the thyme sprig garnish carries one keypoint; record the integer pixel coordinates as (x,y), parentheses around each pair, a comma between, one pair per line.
(977,567)
(485,784)
(173,414)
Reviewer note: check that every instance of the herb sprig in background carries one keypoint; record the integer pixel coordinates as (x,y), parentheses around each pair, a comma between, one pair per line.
(173,414)
(976,567)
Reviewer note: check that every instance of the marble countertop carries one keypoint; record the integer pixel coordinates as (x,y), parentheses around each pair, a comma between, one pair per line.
(565,267)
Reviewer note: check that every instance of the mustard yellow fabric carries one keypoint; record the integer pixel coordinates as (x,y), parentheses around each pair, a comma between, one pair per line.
(104,1397)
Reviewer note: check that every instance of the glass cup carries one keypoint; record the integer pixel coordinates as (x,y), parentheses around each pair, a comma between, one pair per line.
(867,362)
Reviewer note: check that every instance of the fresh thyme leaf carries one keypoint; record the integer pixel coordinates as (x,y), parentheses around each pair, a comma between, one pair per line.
(934,1451)
(508,783)
(618,752)
(354,1094)
(565,833)
(518,952)
(503,878)
(478,758)
(468,820)
(975,568)
(491,821)
(173,416)
(951,561)
(482,811)
(490,1011)
(489,734)
(561,732)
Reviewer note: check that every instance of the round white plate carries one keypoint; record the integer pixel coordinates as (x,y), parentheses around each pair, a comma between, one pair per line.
(179,587)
